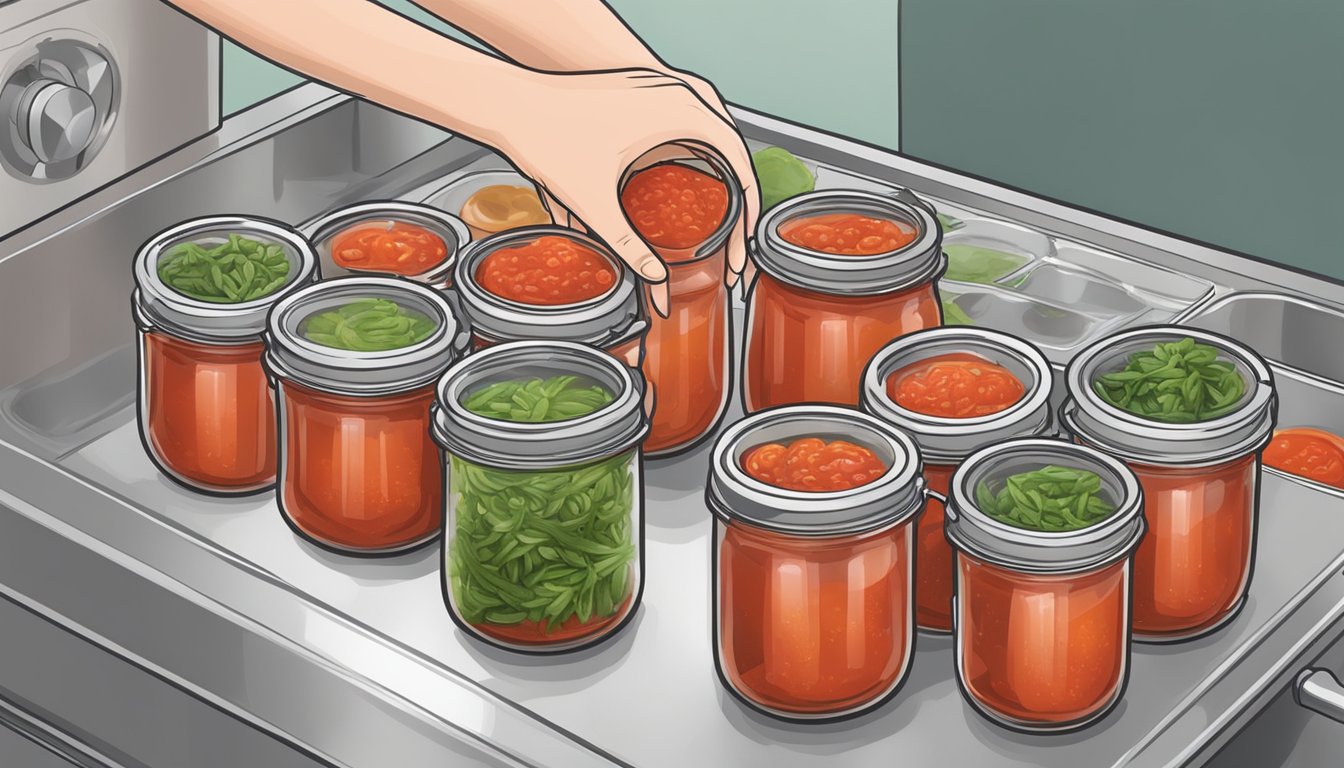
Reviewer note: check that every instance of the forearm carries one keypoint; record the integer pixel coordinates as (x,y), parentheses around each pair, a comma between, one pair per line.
(552,35)
(361,48)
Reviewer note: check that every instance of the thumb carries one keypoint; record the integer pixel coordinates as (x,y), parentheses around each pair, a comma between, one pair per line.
(611,227)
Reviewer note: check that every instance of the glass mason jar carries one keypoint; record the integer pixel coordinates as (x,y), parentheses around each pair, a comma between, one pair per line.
(390,238)
(543,548)
(946,440)
(687,353)
(815,319)
(813,611)
(612,320)
(1200,482)
(203,404)
(1042,617)
(358,470)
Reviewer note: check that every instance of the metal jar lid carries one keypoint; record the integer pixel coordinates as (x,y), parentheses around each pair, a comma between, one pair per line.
(705,160)
(159,305)
(949,440)
(452,230)
(735,496)
(349,372)
(617,427)
(983,537)
(919,261)
(1246,429)
(614,316)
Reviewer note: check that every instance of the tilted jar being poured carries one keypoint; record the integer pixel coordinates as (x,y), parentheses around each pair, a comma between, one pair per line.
(842,274)
(813,560)
(543,546)
(390,238)
(354,361)
(1190,412)
(202,291)
(1044,532)
(954,390)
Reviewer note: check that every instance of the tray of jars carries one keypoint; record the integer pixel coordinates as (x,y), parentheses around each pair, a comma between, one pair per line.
(825,519)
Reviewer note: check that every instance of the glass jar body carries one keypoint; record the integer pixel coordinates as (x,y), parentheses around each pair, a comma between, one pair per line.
(629,350)
(806,346)
(359,474)
(813,627)
(206,413)
(544,560)
(935,571)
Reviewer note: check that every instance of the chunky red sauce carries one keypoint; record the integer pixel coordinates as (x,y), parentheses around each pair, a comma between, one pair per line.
(955,386)
(847,234)
(550,270)
(674,206)
(813,464)
(1310,453)
(396,247)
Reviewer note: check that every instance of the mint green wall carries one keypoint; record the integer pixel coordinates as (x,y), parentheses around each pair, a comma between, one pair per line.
(786,62)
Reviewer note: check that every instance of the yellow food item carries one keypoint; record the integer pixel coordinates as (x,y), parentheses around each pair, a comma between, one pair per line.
(500,207)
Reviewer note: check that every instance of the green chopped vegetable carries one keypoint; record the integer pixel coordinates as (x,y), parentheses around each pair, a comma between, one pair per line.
(229,273)
(1051,498)
(975,264)
(954,314)
(781,176)
(949,223)
(1179,382)
(546,546)
(368,325)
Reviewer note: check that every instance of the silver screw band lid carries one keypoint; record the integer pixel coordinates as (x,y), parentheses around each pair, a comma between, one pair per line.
(452,230)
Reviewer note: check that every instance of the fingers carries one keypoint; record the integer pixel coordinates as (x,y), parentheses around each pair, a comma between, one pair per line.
(610,224)
(748,277)
(559,213)
(660,298)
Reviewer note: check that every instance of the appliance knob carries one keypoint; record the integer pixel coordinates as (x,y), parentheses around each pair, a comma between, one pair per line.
(56,121)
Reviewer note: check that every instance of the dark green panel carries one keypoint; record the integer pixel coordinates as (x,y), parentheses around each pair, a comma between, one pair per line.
(1219,120)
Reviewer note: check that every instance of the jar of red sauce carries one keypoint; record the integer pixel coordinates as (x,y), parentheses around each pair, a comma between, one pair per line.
(543,546)
(550,283)
(358,470)
(684,202)
(1200,483)
(390,238)
(206,415)
(842,274)
(813,560)
(954,390)
(1042,617)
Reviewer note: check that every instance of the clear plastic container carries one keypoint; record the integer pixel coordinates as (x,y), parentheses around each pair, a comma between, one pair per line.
(612,320)
(205,410)
(520,207)
(813,603)
(1042,617)
(1200,483)
(358,470)
(390,238)
(946,437)
(543,548)
(815,318)
(687,354)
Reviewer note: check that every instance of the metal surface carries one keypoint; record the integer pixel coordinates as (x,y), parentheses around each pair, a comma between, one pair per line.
(358,663)
(1320,691)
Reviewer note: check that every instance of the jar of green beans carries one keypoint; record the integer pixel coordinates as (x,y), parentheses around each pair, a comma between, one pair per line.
(544,529)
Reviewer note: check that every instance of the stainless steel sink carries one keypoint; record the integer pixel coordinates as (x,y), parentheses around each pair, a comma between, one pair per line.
(1295,332)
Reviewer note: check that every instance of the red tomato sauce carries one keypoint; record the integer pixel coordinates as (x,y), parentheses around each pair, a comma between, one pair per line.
(674,206)
(955,386)
(549,271)
(813,464)
(396,247)
(847,234)
(1310,453)
(531,633)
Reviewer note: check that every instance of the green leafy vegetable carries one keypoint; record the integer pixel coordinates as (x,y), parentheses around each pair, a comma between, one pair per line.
(1179,382)
(949,223)
(229,273)
(368,325)
(1051,498)
(974,264)
(953,314)
(543,546)
(781,176)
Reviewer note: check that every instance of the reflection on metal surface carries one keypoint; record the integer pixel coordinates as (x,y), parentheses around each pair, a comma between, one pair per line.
(1320,691)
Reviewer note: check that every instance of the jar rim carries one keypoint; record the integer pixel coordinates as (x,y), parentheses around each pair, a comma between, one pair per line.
(698,152)
(735,496)
(159,305)
(919,261)
(1247,429)
(452,230)
(971,530)
(950,439)
(601,320)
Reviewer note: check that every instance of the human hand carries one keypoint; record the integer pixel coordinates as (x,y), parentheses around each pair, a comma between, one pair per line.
(576,134)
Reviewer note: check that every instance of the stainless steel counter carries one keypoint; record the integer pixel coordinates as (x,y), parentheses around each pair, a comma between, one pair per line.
(356,662)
